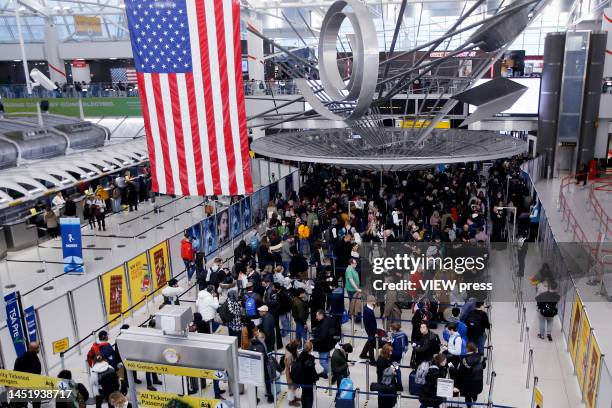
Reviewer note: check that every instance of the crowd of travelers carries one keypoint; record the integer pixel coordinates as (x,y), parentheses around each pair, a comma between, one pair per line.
(293,288)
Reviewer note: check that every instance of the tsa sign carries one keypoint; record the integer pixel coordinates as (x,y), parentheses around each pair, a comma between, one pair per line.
(72,247)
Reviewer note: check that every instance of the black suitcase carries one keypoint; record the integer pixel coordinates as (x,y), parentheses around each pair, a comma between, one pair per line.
(413,387)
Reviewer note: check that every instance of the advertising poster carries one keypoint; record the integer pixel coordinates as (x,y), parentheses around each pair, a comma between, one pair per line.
(583,350)
(256,207)
(13,322)
(195,232)
(115,293)
(236,224)
(592,382)
(245,213)
(72,247)
(160,263)
(223,230)
(209,232)
(141,281)
(575,327)
(30,319)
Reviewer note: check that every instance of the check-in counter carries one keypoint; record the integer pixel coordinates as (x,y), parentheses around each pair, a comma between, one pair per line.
(20,235)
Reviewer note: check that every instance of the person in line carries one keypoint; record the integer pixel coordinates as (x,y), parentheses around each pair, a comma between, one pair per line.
(547,301)
(103,347)
(188,256)
(103,380)
(399,342)
(386,374)
(469,374)
(51,222)
(258,344)
(340,363)
(427,346)
(437,369)
(207,304)
(267,327)
(353,288)
(100,212)
(291,354)
(454,348)
(323,341)
(80,395)
(307,375)
(369,322)
(477,322)
(299,311)
(234,326)
(89,210)
(172,292)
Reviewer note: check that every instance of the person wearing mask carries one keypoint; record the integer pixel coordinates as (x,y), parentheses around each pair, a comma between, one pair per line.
(299,311)
(307,376)
(427,346)
(340,363)
(477,322)
(103,380)
(207,305)
(100,212)
(386,374)
(267,327)
(369,322)
(171,292)
(547,301)
(51,222)
(437,369)
(323,340)
(258,344)
(469,374)
(291,354)
(353,288)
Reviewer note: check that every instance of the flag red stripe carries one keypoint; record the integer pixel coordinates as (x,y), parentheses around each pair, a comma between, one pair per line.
(227,125)
(178,133)
(149,135)
(195,132)
(244,142)
(163,136)
(210,117)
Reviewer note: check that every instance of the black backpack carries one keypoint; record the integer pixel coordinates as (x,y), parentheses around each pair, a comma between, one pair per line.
(548,309)
(296,371)
(224,312)
(474,324)
(108,382)
(281,364)
(285,302)
(435,342)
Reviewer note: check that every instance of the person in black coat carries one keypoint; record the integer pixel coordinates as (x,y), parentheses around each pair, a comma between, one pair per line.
(267,327)
(29,363)
(320,292)
(427,346)
(469,375)
(384,362)
(369,323)
(69,208)
(437,369)
(258,345)
(323,341)
(132,196)
(308,375)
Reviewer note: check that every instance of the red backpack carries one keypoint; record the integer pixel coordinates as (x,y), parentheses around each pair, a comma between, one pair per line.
(186,250)
(93,352)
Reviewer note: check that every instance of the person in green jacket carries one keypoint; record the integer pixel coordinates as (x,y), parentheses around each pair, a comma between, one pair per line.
(340,362)
(352,285)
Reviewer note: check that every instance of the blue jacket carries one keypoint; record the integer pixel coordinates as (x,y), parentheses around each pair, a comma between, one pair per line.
(335,300)
(369,321)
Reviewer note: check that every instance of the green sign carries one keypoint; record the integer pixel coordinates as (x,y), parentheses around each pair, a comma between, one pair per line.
(92,107)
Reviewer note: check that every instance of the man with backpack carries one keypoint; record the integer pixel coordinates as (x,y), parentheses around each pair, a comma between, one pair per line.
(103,380)
(427,347)
(304,374)
(103,348)
(188,255)
(251,302)
(477,322)
(547,307)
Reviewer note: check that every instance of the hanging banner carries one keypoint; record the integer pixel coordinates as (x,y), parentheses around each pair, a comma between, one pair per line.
(18,379)
(72,246)
(575,327)
(158,256)
(115,293)
(180,371)
(583,349)
(30,319)
(156,399)
(13,321)
(141,282)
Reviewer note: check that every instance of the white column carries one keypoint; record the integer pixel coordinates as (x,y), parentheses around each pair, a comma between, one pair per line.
(255,48)
(57,71)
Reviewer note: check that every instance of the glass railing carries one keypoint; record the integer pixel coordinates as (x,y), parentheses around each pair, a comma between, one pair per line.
(115,90)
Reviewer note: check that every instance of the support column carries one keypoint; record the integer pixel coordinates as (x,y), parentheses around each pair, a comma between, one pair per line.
(255,51)
(57,71)
(605,114)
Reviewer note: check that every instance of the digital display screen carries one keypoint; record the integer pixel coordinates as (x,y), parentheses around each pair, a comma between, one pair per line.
(527,105)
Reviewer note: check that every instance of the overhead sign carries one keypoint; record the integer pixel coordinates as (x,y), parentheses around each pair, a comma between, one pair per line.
(61,345)
(72,245)
(180,371)
(30,319)
(156,399)
(87,25)
(13,322)
(410,124)
(18,379)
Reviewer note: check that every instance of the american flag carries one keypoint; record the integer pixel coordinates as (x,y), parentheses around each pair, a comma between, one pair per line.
(188,62)
(127,75)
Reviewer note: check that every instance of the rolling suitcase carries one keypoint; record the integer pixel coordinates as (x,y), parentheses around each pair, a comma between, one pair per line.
(413,387)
